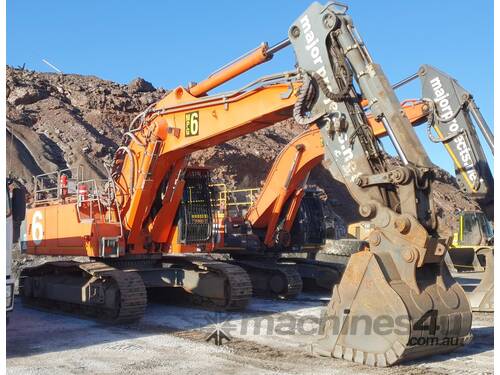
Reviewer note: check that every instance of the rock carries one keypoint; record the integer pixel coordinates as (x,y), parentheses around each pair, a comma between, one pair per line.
(26,95)
(118,92)
(140,85)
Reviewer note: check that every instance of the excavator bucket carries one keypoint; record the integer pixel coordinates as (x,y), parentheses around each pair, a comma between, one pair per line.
(481,297)
(376,319)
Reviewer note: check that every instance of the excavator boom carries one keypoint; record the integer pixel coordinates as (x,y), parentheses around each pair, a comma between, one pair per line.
(290,171)
(406,254)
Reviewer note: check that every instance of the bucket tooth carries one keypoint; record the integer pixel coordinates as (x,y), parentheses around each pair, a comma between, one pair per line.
(374,320)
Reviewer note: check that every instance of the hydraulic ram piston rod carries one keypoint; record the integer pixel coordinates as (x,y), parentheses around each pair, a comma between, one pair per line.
(248,61)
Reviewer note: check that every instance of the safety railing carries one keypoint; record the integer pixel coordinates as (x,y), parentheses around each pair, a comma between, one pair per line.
(225,201)
(92,196)
(96,198)
(88,200)
(234,201)
(47,186)
(223,197)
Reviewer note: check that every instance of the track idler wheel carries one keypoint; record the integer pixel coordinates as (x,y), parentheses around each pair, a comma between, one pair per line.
(375,318)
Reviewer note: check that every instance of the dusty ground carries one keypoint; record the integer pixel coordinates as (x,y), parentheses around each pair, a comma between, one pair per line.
(171,340)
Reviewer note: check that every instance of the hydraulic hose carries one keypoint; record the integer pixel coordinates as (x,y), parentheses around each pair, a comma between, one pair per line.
(304,99)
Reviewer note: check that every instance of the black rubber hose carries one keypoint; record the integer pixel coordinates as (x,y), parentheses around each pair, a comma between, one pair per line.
(336,97)
(304,99)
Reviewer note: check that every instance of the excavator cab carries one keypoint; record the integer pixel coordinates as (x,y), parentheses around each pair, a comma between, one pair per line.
(472,242)
(472,251)
(309,227)
(474,229)
(195,218)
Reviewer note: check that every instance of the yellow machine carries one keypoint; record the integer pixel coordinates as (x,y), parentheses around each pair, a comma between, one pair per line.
(472,241)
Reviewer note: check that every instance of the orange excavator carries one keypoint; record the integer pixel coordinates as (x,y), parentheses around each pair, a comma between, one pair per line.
(128,225)
(278,203)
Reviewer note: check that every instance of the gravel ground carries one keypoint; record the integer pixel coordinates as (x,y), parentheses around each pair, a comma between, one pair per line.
(171,340)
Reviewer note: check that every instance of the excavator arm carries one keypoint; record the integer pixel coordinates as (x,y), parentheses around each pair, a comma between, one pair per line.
(406,254)
(450,114)
(179,125)
(453,115)
(281,192)
(285,182)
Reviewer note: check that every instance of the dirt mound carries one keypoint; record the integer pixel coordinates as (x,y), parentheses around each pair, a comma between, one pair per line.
(65,120)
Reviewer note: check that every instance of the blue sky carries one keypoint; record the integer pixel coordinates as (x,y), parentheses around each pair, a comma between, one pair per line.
(170,43)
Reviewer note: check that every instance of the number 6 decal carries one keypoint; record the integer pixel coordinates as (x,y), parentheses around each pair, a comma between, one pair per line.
(192,124)
(37,227)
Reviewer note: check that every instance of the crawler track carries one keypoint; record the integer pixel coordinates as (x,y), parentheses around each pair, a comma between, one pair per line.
(111,295)
(293,281)
(237,284)
(317,275)
(271,279)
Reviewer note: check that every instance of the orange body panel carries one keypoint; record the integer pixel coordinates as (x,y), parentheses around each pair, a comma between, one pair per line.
(292,211)
(288,173)
(56,230)
(162,224)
